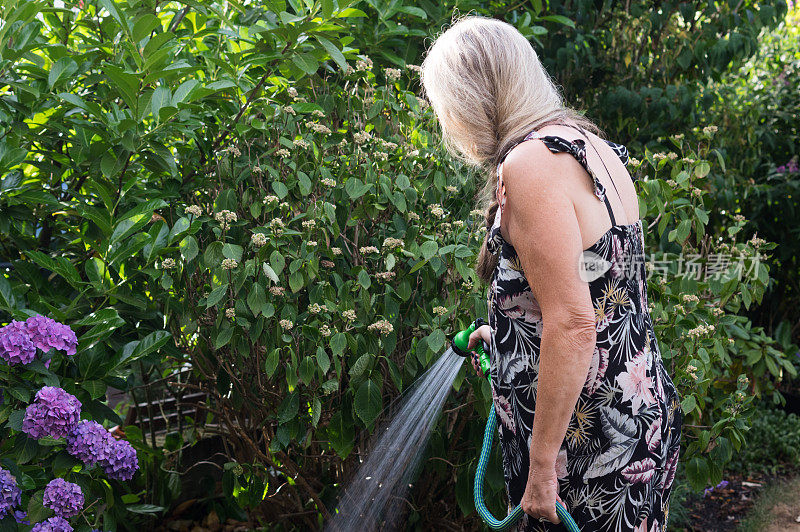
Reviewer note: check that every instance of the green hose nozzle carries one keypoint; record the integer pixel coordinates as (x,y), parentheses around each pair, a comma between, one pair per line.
(460,344)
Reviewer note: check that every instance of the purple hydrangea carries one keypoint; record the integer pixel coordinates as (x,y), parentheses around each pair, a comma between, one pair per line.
(10,493)
(16,346)
(64,498)
(122,462)
(46,333)
(21,517)
(53,413)
(90,443)
(54,524)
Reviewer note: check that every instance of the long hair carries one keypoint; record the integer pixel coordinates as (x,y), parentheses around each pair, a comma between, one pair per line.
(488,90)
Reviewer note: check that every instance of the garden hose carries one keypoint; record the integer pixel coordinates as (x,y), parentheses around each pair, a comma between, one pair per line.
(460,345)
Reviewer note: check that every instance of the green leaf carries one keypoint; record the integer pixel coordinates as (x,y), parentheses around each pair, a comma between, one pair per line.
(189,248)
(216,295)
(360,365)
(63,68)
(307,370)
(296,281)
(223,337)
(289,408)
(436,340)
(256,299)
(269,272)
(368,401)
(144,25)
(338,343)
(144,509)
(96,389)
(316,411)
(333,51)
(271,362)
(429,249)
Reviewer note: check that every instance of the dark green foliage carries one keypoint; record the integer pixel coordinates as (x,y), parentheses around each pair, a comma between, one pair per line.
(773,443)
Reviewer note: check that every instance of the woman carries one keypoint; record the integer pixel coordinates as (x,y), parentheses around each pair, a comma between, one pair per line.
(589,415)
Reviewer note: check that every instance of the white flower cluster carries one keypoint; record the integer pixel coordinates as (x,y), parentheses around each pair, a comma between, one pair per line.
(451,188)
(336,251)
(289,110)
(658,156)
(349,315)
(277,290)
(387,145)
(292,92)
(364,64)
(325,330)
(633,161)
(367,249)
(309,224)
(328,182)
(700,330)
(391,242)
(690,298)
(311,243)
(437,210)
(476,212)
(283,153)
(361,136)
(756,242)
(226,216)
(319,128)
(300,143)
(258,239)
(317,113)
(326,263)
(229,264)
(230,313)
(738,217)
(710,130)
(316,308)
(414,68)
(392,74)
(286,324)
(194,210)
(382,155)
(459,223)
(382,326)
(168,263)
(384,276)
(270,199)
(691,370)
(440,311)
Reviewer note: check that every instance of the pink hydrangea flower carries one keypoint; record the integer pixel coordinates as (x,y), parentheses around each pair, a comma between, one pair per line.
(16,346)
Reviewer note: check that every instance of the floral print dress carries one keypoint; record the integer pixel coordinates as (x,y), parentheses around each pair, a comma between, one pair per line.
(617,463)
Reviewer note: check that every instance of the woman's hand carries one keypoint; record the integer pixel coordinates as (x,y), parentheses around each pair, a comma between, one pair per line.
(541,493)
(483,332)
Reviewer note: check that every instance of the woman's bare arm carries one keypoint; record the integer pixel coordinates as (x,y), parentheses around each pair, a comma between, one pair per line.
(543,228)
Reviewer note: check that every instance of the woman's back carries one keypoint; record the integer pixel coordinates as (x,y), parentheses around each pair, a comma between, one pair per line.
(617,463)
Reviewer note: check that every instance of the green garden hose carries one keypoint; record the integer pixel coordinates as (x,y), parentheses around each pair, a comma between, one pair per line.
(460,345)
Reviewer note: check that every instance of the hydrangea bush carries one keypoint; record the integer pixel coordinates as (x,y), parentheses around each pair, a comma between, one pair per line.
(47,437)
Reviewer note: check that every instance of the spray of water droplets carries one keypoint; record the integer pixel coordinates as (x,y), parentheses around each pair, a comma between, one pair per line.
(375,497)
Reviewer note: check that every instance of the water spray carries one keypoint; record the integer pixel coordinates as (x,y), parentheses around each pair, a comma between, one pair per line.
(459,345)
